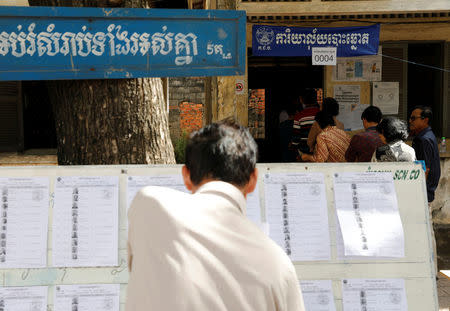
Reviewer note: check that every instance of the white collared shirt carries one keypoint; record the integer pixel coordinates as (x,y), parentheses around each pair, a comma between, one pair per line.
(199,252)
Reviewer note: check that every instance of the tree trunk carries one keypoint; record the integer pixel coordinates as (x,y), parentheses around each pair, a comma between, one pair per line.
(121,121)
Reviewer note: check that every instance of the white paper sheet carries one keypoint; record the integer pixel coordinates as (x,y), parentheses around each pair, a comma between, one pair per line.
(175,181)
(24,222)
(374,295)
(385,95)
(366,205)
(318,295)
(362,68)
(136,183)
(297,214)
(253,210)
(350,107)
(32,298)
(92,297)
(85,221)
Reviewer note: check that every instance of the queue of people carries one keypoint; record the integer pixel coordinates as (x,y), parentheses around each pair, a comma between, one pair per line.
(318,136)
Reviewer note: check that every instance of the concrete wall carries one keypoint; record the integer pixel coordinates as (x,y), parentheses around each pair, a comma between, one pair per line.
(441,216)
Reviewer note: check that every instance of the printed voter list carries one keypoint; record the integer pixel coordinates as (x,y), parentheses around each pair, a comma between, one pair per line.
(23,222)
(374,295)
(32,298)
(367,210)
(297,214)
(87,297)
(86,221)
(318,295)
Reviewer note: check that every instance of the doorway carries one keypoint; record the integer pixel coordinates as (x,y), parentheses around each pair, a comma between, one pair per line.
(425,84)
(283,79)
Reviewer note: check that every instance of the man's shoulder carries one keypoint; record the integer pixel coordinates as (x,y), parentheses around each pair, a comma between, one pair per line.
(307,112)
(155,196)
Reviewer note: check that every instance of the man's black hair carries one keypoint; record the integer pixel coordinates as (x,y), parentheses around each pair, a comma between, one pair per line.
(372,114)
(393,129)
(324,119)
(425,113)
(310,97)
(224,151)
(331,106)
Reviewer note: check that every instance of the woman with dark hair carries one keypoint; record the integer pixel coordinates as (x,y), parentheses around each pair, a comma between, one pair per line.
(330,106)
(331,142)
(393,132)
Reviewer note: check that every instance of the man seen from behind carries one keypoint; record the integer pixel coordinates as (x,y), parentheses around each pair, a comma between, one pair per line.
(363,145)
(195,252)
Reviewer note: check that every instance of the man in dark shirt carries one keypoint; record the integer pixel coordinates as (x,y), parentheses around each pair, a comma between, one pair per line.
(363,145)
(426,147)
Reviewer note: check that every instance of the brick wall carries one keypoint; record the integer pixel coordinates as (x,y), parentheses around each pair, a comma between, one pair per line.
(256,112)
(191,117)
(186,105)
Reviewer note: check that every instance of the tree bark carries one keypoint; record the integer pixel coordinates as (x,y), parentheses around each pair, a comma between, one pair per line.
(121,121)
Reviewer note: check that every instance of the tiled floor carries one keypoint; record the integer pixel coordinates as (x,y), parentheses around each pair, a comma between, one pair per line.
(443,287)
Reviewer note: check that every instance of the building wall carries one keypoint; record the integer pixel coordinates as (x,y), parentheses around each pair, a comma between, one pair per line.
(186,105)
(441,215)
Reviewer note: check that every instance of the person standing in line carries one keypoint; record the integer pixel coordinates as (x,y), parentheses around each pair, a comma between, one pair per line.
(363,145)
(426,147)
(393,133)
(331,106)
(198,252)
(304,120)
(331,142)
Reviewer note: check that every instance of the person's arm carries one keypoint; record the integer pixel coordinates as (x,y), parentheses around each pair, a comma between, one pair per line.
(320,152)
(312,136)
(351,155)
(427,148)
(130,257)
(294,297)
(374,156)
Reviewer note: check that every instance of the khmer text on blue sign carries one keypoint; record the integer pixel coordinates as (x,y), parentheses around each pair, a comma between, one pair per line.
(42,43)
(298,41)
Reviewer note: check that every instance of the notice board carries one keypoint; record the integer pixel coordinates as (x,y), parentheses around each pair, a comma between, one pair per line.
(415,268)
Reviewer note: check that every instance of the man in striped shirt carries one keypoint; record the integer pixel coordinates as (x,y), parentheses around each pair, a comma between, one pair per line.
(304,120)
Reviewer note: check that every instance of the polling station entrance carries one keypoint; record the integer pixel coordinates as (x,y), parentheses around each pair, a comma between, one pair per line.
(282,79)
(287,61)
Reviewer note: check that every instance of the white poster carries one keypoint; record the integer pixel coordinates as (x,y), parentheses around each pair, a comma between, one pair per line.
(359,68)
(86,221)
(318,295)
(32,298)
(385,95)
(374,295)
(350,109)
(92,297)
(297,214)
(369,219)
(24,222)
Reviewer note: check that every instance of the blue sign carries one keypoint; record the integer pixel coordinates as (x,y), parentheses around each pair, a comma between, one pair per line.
(50,43)
(295,41)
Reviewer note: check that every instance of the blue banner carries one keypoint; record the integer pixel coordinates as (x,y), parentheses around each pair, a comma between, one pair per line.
(50,43)
(297,41)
